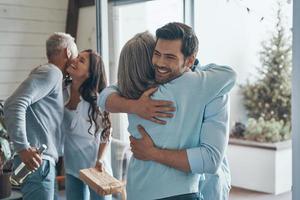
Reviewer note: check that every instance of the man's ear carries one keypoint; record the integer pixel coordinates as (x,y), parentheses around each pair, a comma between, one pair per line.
(68,53)
(189,62)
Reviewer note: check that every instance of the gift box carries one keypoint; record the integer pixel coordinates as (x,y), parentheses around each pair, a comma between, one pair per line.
(101,182)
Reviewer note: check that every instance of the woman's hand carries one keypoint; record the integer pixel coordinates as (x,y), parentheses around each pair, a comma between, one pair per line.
(100,165)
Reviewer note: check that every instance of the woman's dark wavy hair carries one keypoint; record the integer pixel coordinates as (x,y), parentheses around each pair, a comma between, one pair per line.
(89,90)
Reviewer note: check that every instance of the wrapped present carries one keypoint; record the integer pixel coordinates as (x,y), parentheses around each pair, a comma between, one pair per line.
(101,182)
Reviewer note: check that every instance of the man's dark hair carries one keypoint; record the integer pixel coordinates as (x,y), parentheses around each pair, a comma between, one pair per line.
(177,30)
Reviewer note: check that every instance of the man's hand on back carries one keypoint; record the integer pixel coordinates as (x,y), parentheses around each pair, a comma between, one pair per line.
(151,109)
(145,149)
(142,149)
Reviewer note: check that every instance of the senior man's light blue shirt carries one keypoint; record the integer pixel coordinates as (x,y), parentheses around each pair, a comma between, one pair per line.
(191,93)
(34,112)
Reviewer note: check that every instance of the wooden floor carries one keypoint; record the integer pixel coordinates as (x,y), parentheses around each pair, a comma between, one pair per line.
(237,194)
(241,194)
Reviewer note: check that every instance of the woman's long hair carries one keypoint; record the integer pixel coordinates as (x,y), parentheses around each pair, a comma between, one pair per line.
(89,90)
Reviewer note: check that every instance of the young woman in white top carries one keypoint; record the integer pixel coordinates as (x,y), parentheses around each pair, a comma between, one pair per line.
(86,129)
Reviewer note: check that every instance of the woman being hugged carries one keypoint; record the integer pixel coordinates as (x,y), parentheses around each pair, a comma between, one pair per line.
(85,127)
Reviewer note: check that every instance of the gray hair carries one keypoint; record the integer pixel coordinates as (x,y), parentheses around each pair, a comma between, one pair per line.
(136,72)
(59,41)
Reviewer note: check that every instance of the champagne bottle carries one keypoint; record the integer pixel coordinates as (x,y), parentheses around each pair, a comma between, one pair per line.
(21,172)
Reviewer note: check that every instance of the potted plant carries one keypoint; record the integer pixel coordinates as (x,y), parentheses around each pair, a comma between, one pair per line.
(260,150)
(6,164)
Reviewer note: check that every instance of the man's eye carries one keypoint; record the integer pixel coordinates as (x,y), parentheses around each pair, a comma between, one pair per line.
(170,58)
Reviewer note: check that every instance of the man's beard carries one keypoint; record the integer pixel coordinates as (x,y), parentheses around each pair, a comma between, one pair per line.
(171,76)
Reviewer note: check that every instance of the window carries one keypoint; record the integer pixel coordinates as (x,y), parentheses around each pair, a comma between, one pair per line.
(127,20)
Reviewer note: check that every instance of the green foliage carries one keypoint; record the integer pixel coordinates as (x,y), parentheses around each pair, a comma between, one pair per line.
(5,147)
(268,99)
(267,131)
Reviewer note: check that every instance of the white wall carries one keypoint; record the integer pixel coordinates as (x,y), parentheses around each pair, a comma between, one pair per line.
(230,35)
(296,102)
(24,28)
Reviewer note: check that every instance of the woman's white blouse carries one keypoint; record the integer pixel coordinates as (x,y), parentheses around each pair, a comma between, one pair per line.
(80,147)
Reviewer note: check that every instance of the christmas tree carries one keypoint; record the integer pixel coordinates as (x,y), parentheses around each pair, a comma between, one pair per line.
(268,99)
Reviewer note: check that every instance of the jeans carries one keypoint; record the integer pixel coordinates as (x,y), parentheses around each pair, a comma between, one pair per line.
(191,196)
(39,184)
(78,190)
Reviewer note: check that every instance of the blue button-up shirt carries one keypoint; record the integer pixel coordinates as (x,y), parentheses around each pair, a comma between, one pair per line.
(200,125)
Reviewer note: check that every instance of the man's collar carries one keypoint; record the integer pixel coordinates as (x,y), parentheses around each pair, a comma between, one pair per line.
(195,64)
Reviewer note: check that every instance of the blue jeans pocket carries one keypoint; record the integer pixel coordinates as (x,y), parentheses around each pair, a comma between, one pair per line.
(44,169)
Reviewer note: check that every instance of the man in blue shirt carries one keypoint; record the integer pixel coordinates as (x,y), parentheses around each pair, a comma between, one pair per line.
(194,141)
(33,116)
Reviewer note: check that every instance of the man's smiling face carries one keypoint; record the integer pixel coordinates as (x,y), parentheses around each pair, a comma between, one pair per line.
(168,60)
